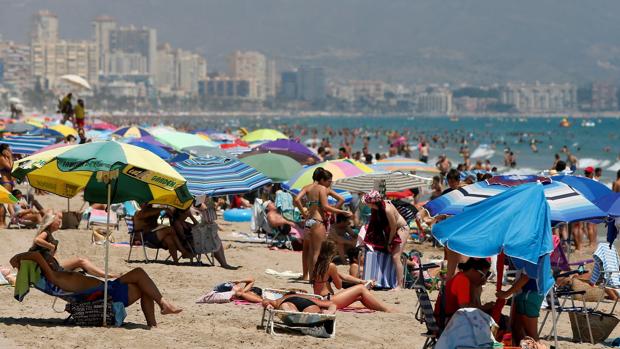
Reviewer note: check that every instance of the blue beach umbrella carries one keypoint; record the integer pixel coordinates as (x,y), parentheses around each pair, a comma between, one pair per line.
(157,150)
(516,222)
(589,188)
(131,132)
(215,176)
(566,203)
(27,145)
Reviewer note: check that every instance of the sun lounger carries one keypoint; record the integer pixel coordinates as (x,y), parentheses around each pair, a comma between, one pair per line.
(99,218)
(314,324)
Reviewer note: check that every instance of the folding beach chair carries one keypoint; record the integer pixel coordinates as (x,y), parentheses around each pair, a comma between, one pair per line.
(132,239)
(99,218)
(424,314)
(606,271)
(273,236)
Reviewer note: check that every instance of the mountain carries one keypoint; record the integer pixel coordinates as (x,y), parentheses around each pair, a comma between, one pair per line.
(476,41)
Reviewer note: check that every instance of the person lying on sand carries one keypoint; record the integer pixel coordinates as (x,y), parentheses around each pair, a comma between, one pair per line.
(243,289)
(302,303)
(129,288)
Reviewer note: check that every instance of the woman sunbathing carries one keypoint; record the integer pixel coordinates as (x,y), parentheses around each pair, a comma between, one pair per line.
(325,273)
(132,286)
(302,303)
(243,289)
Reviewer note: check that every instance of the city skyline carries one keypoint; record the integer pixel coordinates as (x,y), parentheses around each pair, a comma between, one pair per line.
(400,41)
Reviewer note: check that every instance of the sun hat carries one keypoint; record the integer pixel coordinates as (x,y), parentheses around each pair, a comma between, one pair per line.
(372,197)
(48,219)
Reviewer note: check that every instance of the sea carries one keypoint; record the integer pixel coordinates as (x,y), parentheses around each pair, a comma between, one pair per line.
(594,141)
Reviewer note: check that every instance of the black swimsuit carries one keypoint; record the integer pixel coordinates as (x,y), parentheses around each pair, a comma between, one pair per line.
(300,303)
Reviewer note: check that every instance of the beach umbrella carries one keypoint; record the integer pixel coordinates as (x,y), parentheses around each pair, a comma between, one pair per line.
(180,140)
(610,204)
(290,148)
(107,172)
(566,203)
(26,144)
(64,130)
(131,132)
(279,168)
(6,197)
(222,137)
(235,143)
(103,126)
(15,100)
(19,127)
(398,163)
(236,150)
(589,188)
(159,151)
(339,168)
(264,134)
(52,146)
(151,140)
(215,176)
(76,80)
(392,182)
(204,151)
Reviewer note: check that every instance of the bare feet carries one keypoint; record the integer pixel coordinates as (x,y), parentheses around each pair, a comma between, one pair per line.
(168,308)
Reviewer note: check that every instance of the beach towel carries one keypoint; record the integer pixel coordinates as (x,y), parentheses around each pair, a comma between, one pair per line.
(213,297)
(379,266)
(606,259)
(356,310)
(284,274)
(205,238)
(468,328)
(284,203)
(258,218)
(29,274)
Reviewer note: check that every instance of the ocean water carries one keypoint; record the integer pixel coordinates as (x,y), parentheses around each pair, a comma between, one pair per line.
(597,146)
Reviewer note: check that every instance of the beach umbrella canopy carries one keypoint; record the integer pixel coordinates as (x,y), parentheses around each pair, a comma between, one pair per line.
(289,148)
(222,137)
(19,127)
(215,176)
(279,168)
(610,204)
(236,150)
(151,140)
(516,222)
(204,151)
(398,163)
(566,203)
(53,146)
(131,132)
(180,140)
(394,182)
(26,144)
(142,176)
(339,169)
(264,134)
(159,151)
(76,80)
(6,197)
(103,126)
(64,130)
(589,188)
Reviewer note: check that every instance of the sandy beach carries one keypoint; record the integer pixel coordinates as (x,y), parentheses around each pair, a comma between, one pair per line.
(35,324)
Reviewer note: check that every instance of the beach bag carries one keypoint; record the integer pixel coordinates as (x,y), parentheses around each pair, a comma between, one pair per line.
(206,238)
(90,313)
(70,220)
(602,325)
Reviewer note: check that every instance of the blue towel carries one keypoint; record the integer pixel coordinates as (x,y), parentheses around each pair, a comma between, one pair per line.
(379,266)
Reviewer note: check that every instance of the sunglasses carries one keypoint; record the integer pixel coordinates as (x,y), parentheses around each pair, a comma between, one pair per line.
(483,274)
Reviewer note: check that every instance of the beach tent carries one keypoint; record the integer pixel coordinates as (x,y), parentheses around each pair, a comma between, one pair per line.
(516,222)
(107,172)
(279,168)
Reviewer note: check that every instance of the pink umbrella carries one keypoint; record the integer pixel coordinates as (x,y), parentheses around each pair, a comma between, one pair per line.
(103,126)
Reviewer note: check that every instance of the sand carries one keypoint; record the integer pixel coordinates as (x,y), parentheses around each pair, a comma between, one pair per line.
(34,324)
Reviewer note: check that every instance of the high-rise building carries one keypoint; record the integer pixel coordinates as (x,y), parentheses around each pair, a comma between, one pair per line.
(49,61)
(179,70)
(288,85)
(540,98)
(604,96)
(102,26)
(438,101)
(311,84)
(125,44)
(44,27)
(16,65)
(368,89)
(271,88)
(250,66)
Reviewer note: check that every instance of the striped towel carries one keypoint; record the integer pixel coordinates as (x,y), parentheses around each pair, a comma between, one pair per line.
(606,260)
(378,266)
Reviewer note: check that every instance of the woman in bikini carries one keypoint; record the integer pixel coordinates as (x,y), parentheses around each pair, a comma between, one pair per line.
(325,273)
(6,179)
(132,286)
(302,303)
(387,222)
(316,214)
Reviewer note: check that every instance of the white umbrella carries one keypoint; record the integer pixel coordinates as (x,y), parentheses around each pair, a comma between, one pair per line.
(394,181)
(15,100)
(76,80)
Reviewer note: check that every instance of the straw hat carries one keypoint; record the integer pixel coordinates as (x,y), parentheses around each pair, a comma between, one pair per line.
(48,219)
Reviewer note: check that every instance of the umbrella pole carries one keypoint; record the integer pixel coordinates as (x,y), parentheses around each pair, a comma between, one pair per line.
(569,227)
(68,205)
(554,316)
(107,247)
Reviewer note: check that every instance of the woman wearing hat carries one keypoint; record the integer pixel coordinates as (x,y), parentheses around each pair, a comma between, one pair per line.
(389,229)
(45,243)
